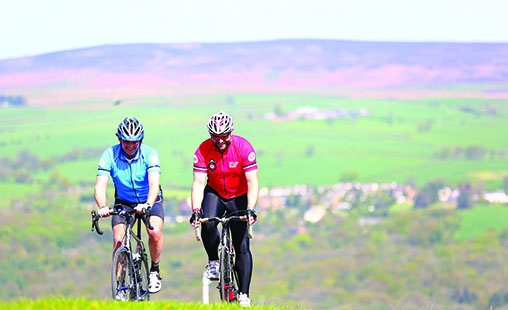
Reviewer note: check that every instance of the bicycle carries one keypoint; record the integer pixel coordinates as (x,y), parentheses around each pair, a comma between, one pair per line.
(228,277)
(129,271)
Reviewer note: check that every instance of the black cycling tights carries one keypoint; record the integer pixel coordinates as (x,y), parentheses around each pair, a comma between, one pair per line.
(214,205)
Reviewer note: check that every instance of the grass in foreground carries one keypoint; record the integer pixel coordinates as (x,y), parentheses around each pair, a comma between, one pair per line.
(87,304)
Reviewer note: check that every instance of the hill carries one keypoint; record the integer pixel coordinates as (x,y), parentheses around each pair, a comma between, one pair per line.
(348,68)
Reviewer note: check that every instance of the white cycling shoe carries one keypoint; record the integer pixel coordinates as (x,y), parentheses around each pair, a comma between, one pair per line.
(154,282)
(212,270)
(243,300)
(121,296)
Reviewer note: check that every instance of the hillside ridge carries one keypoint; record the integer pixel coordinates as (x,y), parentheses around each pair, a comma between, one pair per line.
(350,68)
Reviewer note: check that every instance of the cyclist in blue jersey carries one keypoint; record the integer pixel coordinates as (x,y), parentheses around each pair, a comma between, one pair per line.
(135,170)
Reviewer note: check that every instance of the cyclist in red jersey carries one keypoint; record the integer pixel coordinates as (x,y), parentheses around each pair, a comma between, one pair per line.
(225,180)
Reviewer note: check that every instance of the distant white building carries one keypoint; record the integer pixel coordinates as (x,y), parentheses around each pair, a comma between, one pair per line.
(496,197)
(315,214)
(308,112)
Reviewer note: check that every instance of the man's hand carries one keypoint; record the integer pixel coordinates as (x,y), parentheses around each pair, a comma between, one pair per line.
(103,211)
(251,213)
(141,207)
(194,219)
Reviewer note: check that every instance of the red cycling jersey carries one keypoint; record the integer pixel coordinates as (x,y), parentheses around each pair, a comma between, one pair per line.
(226,171)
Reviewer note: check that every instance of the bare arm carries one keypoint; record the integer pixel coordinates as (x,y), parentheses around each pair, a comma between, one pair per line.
(198,187)
(154,182)
(252,188)
(101,184)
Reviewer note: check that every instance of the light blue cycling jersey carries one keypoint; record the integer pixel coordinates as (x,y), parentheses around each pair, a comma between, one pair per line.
(130,176)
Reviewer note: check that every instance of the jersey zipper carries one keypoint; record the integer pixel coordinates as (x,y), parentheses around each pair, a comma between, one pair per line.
(223,176)
(132,182)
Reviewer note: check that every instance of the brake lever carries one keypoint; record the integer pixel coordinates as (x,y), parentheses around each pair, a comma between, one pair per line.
(95,222)
(147,213)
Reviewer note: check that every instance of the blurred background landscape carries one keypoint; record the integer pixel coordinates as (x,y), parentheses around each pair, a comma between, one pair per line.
(382,167)
(380,136)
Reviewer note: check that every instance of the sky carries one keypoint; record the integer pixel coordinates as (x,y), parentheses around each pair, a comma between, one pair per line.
(32,27)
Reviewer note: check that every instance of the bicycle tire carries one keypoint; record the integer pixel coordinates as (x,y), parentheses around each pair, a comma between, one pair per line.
(235,282)
(222,273)
(142,286)
(227,287)
(122,287)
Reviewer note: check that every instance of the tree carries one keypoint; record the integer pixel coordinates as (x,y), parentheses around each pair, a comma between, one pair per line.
(496,300)
(465,198)
(309,150)
(428,194)
(505,184)
(13,100)
(464,296)
(349,176)
(475,152)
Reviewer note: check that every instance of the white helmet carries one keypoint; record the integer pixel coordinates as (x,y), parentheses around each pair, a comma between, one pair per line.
(130,129)
(220,123)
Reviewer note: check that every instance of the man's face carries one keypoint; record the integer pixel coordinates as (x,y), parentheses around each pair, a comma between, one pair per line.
(221,142)
(130,147)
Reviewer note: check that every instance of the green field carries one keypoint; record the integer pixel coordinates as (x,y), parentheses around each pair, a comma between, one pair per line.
(398,141)
(476,221)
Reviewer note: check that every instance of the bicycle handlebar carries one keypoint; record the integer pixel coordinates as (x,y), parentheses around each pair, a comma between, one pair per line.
(223,220)
(145,217)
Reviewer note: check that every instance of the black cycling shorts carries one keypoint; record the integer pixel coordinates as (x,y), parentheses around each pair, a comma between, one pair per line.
(157,210)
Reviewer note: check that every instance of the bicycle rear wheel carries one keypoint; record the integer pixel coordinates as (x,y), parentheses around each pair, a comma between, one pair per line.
(122,287)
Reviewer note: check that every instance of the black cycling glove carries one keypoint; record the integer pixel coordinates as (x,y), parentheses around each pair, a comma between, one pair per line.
(251,213)
(194,219)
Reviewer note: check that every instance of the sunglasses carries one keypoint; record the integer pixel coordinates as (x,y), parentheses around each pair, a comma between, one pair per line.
(223,137)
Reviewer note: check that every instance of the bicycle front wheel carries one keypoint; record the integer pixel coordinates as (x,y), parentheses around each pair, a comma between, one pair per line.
(122,287)
(227,279)
(142,285)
